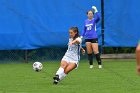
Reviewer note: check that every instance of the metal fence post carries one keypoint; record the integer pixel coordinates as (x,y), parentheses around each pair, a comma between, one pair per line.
(26,56)
(102,24)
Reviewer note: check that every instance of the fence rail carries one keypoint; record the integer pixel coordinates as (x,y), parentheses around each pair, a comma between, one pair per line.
(53,54)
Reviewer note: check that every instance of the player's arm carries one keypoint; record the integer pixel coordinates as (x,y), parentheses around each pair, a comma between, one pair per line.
(138,58)
(76,41)
(96,15)
(84,31)
(83,51)
(138,54)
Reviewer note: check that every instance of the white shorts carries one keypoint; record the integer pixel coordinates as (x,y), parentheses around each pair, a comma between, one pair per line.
(70,60)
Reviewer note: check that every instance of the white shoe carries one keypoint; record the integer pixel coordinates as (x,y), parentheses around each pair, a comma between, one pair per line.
(91,66)
(100,66)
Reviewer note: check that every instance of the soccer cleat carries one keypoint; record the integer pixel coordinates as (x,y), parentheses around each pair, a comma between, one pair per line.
(91,66)
(56,79)
(55,82)
(100,66)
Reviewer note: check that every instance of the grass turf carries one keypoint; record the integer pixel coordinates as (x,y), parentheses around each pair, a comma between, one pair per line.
(117,76)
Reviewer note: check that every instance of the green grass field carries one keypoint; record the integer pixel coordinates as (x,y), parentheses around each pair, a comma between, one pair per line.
(117,76)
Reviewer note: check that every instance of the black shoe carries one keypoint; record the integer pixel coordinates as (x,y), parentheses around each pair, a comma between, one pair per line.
(56,79)
(55,82)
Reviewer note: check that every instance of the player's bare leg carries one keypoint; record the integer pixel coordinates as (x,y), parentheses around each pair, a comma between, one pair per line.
(89,52)
(70,67)
(96,52)
(63,72)
(138,58)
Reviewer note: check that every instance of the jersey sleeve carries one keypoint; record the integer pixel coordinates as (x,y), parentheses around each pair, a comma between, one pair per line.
(97,17)
(84,30)
(79,40)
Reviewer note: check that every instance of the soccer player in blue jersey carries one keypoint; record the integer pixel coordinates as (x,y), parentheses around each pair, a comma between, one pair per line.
(72,57)
(91,37)
(138,58)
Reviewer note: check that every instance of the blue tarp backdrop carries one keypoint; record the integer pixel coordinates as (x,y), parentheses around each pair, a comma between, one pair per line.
(122,22)
(31,24)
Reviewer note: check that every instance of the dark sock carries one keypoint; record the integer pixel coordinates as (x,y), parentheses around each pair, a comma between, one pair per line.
(90,58)
(98,59)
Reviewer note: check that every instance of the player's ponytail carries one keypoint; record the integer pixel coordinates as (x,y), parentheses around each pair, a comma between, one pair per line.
(75,29)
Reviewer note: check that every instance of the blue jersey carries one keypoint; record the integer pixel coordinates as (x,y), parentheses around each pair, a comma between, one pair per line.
(89,31)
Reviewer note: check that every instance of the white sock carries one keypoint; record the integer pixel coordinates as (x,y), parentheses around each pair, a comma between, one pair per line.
(60,71)
(62,76)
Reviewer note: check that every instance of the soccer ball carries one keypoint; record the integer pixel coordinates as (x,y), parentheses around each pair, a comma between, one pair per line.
(37,66)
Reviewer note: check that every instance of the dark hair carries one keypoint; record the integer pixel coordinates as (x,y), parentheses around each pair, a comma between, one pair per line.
(75,29)
(91,11)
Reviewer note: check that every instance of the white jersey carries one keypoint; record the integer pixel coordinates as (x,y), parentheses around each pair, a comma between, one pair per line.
(73,51)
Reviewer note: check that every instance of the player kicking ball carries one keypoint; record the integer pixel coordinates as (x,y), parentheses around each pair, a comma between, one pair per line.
(138,58)
(72,56)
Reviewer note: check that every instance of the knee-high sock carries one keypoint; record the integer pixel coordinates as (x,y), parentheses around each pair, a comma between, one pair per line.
(60,71)
(62,76)
(98,59)
(90,58)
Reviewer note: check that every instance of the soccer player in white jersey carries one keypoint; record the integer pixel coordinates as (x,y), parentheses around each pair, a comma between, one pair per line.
(72,56)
